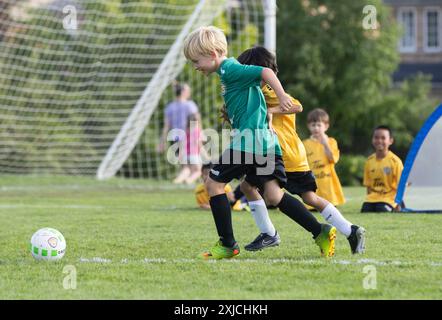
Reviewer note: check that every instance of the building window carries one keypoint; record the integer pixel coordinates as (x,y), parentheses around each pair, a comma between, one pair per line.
(407,18)
(432,30)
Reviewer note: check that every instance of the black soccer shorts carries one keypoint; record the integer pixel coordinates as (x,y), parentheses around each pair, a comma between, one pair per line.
(258,169)
(300,182)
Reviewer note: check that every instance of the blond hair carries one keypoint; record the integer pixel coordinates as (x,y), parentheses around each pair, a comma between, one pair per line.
(318,115)
(203,41)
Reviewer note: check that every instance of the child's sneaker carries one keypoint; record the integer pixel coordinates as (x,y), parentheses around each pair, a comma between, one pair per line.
(326,240)
(263,241)
(221,252)
(357,239)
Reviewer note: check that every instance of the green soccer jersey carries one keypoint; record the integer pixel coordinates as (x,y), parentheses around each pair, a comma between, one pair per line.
(246,108)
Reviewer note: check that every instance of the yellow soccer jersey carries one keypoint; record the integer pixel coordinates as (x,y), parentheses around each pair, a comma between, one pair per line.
(201,195)
(382,176)
(293,151)
(329,186)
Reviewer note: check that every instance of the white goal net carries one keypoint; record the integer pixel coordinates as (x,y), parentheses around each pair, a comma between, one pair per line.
(83,83)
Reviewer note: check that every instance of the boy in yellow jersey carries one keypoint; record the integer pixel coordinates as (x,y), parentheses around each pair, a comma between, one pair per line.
(382,172)
(202,196)
(322,155)
(300,179)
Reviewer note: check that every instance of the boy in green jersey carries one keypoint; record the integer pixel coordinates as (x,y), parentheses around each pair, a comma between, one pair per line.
(254,150)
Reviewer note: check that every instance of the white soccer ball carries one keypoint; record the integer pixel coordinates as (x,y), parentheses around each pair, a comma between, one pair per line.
(48,244)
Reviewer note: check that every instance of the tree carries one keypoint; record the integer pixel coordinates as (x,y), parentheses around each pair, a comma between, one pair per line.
(328,60)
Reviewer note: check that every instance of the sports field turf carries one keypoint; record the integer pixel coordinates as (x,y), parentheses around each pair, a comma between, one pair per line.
(130,239)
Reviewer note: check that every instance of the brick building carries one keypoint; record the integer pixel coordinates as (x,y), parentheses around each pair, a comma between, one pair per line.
(420,47)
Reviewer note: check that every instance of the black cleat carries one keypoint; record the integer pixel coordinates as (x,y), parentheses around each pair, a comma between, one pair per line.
(357,239)
(263,241)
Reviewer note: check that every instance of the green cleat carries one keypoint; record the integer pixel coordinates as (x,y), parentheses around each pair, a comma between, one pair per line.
(221,252)
(326,240)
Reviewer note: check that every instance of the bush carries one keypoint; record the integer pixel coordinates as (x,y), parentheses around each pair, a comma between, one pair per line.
(350,169)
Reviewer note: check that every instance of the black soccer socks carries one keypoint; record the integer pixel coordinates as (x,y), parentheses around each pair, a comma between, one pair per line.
(223,218)
(295,210)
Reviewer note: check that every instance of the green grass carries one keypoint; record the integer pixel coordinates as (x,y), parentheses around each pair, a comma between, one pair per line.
(139,239)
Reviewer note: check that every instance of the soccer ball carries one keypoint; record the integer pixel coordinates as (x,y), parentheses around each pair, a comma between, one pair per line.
(48,244)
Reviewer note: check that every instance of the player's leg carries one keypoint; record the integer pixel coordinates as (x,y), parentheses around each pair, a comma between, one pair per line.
(195,173)
(324,234)
(368,207)
(376,207)
(383,207)
(291,207)
(304,184)
(268,236)
(182,175)
(328,211)
(355,234)
(237,199)
(219,176)
(237,193)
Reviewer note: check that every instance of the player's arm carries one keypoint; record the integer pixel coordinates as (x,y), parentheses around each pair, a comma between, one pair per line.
(327,148)
(205,206)
(201,197)
(270,121)
(397,177)
(224,116)
(297,108)
(273,103)
(397,172)
(366,180)
(269,77)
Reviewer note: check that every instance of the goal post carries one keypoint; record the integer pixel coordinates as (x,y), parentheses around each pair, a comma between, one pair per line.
(139,117)
(246,23)
(270,24)
(84,83)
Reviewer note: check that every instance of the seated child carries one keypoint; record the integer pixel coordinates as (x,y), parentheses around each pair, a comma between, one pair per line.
(236,198)
(382,172)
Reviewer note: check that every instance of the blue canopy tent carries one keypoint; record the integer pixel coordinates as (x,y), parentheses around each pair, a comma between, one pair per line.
(420,186)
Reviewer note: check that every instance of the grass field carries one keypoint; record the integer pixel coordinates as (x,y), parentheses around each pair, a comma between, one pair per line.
(139,240)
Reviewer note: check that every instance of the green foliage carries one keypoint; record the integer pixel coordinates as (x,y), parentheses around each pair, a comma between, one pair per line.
(404,109)
(328,60)
(77,78)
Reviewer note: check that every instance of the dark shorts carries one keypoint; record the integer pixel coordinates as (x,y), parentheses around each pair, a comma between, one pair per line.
(376,207)
(258,169)
(300,182)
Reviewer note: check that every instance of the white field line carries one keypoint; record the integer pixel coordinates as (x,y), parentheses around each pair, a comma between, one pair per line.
(39,206)
(79,206)
(263,261)
(103,186)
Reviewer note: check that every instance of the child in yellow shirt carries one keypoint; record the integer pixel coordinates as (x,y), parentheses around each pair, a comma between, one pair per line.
(382,172)
(236,199)
(323,154)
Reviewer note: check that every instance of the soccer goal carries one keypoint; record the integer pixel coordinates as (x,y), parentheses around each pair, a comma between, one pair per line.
(420,186)
(83,83)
